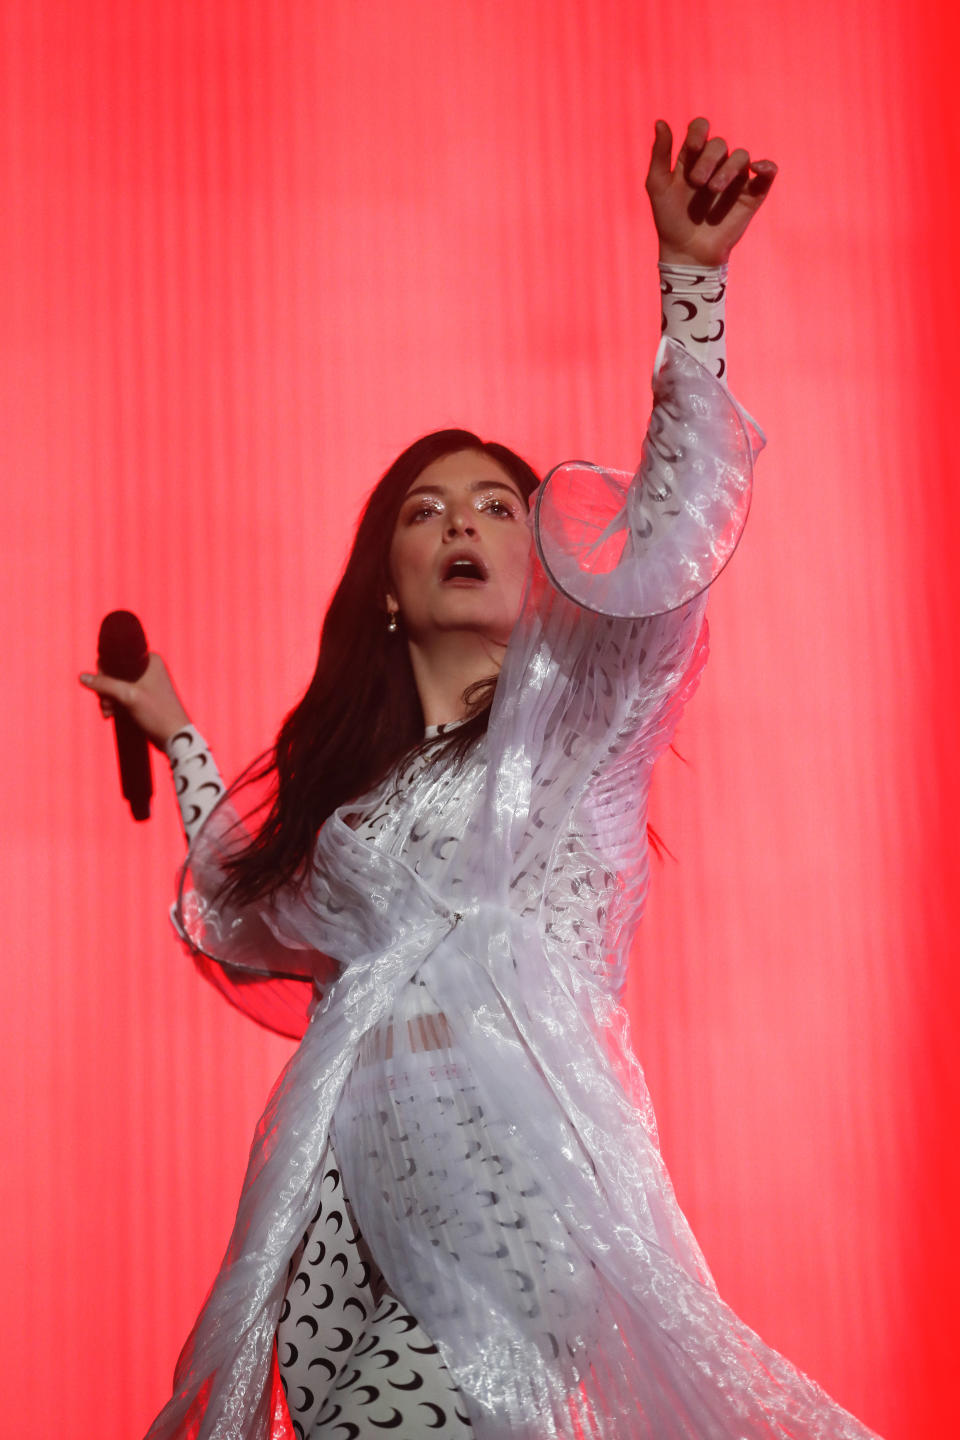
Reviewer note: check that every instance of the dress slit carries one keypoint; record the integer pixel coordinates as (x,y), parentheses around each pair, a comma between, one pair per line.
(351,1355)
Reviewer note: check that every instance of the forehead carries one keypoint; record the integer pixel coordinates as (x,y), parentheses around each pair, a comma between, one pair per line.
(462,470)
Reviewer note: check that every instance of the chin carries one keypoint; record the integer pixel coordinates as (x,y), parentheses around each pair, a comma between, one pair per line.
(493,627)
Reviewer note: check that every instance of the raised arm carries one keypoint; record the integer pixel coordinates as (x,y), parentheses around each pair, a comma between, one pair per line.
(646,544)
(701,207)
(612,638)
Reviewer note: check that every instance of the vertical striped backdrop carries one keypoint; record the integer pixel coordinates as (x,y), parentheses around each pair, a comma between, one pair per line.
(249,249)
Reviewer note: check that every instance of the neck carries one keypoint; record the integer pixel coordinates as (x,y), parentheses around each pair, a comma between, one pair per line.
(446,668)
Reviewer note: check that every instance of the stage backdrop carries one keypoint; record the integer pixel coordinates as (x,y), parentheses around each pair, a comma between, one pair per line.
(249,250)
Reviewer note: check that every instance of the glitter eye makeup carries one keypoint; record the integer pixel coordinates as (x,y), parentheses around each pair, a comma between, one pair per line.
(497,504)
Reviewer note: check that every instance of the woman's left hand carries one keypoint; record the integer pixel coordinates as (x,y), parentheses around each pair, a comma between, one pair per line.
(702,205)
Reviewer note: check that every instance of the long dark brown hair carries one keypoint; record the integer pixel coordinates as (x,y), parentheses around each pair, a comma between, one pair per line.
(361,712)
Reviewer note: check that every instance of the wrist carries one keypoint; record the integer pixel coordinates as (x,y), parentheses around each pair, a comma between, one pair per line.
(693,311)
(184,739)
(688,269)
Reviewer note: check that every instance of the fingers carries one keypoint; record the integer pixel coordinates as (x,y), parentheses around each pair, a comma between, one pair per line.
(696,138)
(121,690)
(705,161)
(732,167)
(658,175)
(702,207)
(152,702)
(111,692)
(758,186)
(700,160)
(713,162)
(750,190)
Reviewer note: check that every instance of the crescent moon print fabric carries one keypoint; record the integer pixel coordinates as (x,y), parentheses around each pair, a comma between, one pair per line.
(196,779)
(692,312)
(353,1360)
(693,303)
(463,1143)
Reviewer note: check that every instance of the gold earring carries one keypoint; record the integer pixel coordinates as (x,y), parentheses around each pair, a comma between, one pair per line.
(392,626)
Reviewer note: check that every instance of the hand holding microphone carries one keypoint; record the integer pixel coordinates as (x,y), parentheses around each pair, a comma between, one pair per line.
(135,688)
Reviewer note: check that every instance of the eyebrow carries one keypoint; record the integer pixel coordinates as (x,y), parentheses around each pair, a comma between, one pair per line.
(475,486)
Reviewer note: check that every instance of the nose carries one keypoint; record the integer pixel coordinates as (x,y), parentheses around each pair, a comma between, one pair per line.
(459,522)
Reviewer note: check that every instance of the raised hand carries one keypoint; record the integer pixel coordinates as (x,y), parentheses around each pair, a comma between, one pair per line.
(704,203)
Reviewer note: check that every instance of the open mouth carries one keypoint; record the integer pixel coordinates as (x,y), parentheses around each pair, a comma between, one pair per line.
(463,567)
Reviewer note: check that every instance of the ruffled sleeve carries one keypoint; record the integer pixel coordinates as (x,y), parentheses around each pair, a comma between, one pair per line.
(612,633)
(609,648)
(252,954)
(645,544)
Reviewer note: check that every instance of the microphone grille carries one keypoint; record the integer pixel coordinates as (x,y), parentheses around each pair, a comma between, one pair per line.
(122,646)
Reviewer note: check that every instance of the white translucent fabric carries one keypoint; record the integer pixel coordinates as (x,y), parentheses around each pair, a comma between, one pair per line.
(646,544)
(509,1180)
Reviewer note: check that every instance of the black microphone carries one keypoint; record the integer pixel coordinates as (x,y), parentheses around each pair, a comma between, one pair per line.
(122,653)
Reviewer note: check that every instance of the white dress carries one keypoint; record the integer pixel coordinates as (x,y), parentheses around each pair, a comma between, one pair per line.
(506,1176)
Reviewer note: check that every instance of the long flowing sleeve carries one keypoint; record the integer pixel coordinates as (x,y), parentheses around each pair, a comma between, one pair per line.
(613,637)
(645,544)
(269,973)
(614,618)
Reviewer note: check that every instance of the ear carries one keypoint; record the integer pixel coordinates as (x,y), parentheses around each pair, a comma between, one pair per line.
(391,604)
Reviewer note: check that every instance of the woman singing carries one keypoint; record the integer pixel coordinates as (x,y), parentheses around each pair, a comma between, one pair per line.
(455,1220)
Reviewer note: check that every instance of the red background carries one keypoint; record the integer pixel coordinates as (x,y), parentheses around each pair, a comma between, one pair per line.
(249,251)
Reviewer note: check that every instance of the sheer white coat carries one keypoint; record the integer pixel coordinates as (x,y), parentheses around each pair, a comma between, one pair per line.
(597,1315)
